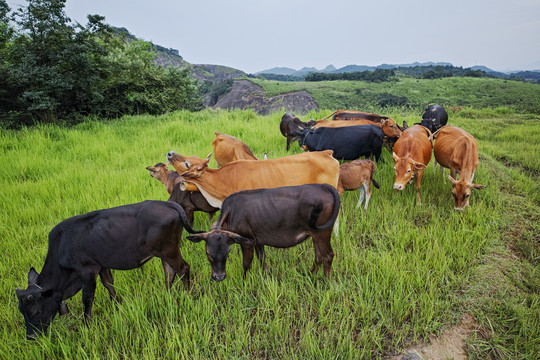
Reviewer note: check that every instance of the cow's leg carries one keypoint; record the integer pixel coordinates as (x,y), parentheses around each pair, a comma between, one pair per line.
(367,190)
(362,192)
(173,263)
(247,256)
(323,251)
(88,280)
(453,173)
(259,249)
(108,281)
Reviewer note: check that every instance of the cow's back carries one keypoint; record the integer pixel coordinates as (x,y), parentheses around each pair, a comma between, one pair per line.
(347,143)
(102,234)
(455,148)
(414,143)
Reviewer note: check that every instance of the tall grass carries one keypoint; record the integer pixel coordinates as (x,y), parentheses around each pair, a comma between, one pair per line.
(395,278)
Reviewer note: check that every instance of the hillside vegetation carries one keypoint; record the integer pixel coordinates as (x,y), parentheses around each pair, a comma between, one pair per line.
(400,274)
(415,94)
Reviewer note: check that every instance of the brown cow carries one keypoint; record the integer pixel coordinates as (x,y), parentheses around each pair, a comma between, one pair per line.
(412,152)
(354,115)
(191,201)
(457,150)
(217,184)
(388,126)
(357,174)
(228,148)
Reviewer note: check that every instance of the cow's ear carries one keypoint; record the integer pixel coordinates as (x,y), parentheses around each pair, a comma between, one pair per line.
(383,121)
(478,186)
(394,155)
(240,240)
(419,166)
(197,238)
(32,277)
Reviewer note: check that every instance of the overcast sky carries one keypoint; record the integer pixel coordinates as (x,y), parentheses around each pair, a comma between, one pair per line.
(257,35)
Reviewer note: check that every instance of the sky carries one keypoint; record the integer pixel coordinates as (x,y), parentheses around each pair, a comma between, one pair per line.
(255,35)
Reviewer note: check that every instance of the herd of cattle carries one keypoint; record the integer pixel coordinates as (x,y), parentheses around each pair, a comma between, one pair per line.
(273,202)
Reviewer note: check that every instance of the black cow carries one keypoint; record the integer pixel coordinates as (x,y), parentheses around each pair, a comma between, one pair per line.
(192,201)
(83,246)
(434,117)
(290,125)
(348,143)
(280,217)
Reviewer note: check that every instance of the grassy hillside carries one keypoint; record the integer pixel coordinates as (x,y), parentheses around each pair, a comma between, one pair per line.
(400,272)
(451,92)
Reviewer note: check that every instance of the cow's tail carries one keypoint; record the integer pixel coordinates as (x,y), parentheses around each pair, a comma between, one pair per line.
(332,114)
(373,168)
(319,207)
(184,218)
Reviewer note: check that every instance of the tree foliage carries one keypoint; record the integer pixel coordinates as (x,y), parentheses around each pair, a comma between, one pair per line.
(57,71)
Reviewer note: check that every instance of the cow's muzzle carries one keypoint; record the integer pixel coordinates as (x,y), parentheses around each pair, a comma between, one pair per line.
(398,186)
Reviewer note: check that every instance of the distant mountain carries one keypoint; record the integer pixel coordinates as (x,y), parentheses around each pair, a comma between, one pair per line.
(278,71)
(349,68)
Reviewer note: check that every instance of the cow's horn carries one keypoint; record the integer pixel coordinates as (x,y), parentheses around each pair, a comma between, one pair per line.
(209,155)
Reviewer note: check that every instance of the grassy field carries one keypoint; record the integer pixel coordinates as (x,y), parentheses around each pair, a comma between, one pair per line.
(415,93)
(400,274)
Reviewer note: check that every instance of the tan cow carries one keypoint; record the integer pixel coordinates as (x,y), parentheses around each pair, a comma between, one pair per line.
(357,174)
(457,150)
(190,201)
(388,126)
(217,184)
(228,148)
(412,152)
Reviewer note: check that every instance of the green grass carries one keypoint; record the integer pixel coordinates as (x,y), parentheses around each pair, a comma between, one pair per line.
(400,274)
(449,92)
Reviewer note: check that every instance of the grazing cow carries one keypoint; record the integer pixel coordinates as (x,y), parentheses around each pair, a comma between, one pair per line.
(457,150)
(190,201)
(281,217)
(228,148)
(357,174)
(412,153)
(434,117)
(83,246)
(348,143)
(290,125)
(217,184)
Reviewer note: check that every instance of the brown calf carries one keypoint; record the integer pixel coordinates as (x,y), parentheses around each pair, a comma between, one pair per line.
(412,152)
(228,148)
(357,174)
(191,201)
(457,150)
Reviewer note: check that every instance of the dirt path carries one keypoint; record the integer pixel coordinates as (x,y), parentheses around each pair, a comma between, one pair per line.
(450,345)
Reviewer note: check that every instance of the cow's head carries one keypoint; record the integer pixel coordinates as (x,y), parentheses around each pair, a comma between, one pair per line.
(158,171)
(461,192)
(218,246)
(291,126)
(405,169)
(430,124)
(184,163)
(38,305)
(390,128)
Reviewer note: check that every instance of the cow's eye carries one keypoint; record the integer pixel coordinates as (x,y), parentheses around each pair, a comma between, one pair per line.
(408,171)
(467,195)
